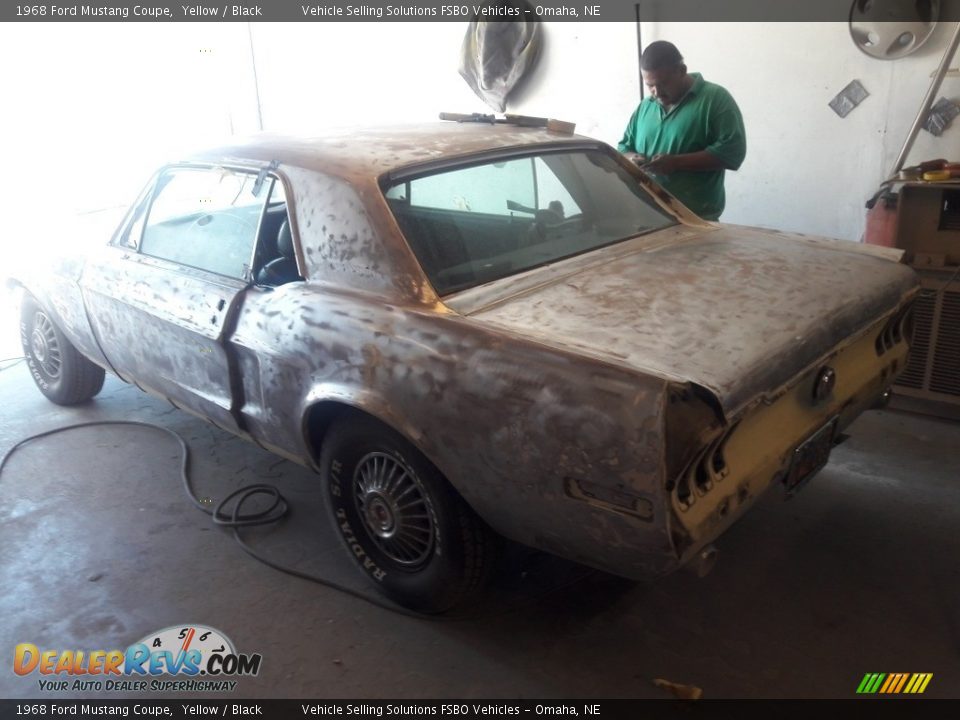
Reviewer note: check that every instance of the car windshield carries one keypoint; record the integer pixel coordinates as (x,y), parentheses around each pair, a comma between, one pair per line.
(483,222)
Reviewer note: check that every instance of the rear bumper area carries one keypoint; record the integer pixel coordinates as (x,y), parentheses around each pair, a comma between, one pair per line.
(755,451)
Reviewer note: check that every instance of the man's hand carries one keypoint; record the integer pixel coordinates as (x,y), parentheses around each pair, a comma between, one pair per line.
(663,164)
(635,158)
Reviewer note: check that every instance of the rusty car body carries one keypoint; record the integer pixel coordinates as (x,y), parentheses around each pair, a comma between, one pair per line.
(615,385)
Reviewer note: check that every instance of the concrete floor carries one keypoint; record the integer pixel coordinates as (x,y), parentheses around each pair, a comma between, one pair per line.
(100,547)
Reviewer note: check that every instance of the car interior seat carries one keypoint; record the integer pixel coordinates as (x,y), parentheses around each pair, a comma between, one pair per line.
(283,269)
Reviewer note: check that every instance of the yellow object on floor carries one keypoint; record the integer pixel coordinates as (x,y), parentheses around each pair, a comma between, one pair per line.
(684,692)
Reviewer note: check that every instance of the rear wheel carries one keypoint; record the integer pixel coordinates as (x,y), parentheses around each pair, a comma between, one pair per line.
(400,520)
(64,375)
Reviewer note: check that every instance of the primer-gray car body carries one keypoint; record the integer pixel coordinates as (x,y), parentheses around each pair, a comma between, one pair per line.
(544,398)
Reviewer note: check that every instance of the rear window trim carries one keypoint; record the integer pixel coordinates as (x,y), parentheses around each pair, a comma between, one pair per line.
(410,173)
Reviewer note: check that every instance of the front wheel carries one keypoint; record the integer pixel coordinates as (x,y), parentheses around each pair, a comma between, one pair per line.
(64,375)
(400,520)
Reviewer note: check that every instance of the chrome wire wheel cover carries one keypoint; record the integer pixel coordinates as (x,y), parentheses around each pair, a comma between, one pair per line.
(393,504)
(44,346)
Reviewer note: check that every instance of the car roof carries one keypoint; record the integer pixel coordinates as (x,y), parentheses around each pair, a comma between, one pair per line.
(368,152)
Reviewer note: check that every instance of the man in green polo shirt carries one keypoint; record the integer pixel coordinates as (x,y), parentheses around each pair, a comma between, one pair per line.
(687,133)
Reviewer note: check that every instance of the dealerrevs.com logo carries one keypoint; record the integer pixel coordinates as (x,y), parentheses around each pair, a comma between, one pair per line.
(202,658)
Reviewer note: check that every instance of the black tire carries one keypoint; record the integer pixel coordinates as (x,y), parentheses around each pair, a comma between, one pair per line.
(373,478)
(64,375)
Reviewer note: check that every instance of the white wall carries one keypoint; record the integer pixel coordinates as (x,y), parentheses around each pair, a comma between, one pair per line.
(588,74)
(807,169)
(320,75)
(91,108)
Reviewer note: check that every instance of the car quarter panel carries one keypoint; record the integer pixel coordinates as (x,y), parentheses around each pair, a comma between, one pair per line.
(551,449)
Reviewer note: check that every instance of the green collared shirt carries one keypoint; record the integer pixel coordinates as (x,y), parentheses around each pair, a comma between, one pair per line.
(706,118)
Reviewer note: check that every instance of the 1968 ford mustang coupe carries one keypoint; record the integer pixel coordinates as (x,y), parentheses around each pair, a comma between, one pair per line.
(480,329)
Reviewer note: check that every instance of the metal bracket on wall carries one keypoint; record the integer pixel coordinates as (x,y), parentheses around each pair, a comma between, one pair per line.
(848,98)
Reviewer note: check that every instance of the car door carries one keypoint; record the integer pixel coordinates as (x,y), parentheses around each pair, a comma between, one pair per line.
(163,296)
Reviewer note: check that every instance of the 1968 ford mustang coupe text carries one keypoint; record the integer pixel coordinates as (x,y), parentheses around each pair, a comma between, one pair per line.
(480,329)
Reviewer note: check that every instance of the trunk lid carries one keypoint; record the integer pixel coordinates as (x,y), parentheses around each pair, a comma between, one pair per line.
(737,310)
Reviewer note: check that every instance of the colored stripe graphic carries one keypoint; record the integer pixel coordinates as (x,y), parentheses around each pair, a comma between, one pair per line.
(894,683)
(922,680)
(891,680)
(869,683)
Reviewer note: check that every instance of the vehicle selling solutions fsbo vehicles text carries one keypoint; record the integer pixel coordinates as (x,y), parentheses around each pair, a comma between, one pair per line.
(367,11)
(450,11)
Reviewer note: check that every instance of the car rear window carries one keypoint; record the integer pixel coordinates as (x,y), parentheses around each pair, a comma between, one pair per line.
(479,223)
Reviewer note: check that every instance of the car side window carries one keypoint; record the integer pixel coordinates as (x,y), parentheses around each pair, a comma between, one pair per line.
(205,218)
(275,262)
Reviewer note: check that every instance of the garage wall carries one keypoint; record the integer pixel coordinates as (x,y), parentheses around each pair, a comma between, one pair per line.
(96,106)
(337,74)
(92,108)
(807,170)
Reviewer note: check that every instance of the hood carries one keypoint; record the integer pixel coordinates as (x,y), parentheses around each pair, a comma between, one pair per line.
(737,310)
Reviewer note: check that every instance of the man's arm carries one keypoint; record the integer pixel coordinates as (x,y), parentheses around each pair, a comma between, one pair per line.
(700,161)
(727,131)
(727,148)
(628,143)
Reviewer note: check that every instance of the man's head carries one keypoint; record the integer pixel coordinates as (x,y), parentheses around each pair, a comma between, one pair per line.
(664,73)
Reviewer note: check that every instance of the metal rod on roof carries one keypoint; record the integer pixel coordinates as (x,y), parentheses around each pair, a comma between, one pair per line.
(636,7)
(256,82)
(927,101)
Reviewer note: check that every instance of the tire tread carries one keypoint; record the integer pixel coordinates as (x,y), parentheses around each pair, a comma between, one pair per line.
(478,543)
